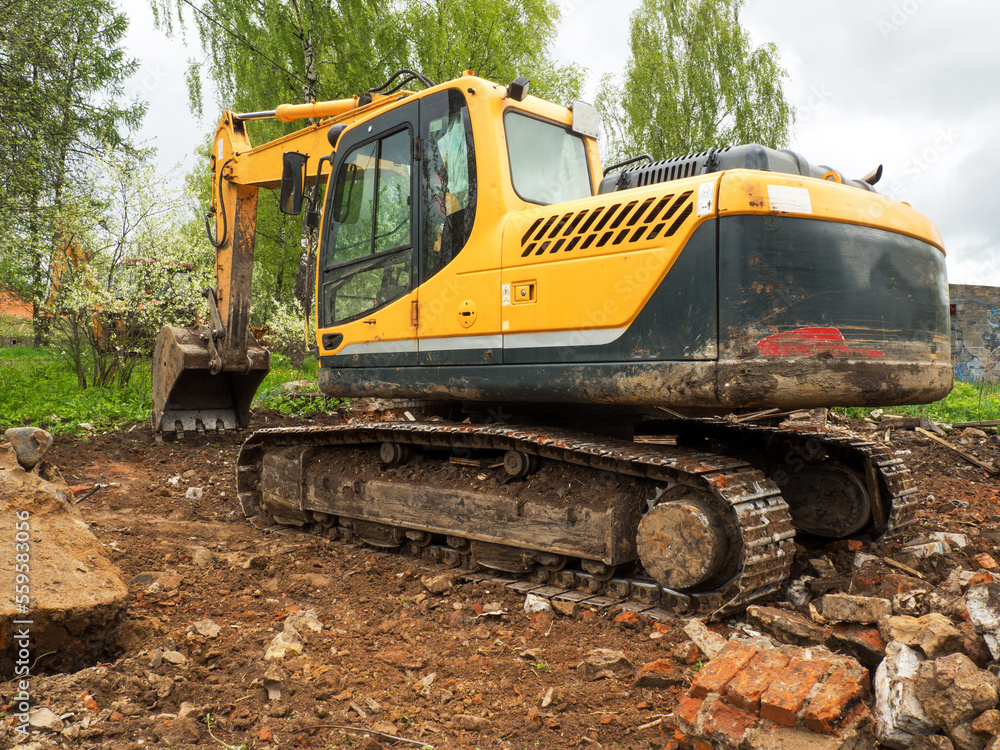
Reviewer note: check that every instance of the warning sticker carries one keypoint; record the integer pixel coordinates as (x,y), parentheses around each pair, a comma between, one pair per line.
(504,295)
(791,200)
(706,198)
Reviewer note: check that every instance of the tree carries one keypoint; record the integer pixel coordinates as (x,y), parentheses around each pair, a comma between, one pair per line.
(693,81)
(62,72)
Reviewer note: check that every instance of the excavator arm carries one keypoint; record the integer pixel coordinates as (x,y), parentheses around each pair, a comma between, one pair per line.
(205,377)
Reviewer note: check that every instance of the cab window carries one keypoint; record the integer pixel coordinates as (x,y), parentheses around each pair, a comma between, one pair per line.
(369,255)
(548,161)
(449,181)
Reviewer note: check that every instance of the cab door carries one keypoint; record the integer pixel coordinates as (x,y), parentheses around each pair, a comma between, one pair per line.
(367,268)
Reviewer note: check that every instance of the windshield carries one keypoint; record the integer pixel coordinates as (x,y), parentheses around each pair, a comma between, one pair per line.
(548,162)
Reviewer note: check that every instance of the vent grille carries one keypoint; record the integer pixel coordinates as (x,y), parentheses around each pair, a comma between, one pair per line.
(615,224)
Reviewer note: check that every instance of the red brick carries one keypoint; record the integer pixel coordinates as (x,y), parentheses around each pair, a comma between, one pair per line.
(835,702)
(981,577)
(630,620)
(726,724)
(714,676)
(745,689)
(985,562)
(686,713)
(851,545)
(788,692)
(660,674)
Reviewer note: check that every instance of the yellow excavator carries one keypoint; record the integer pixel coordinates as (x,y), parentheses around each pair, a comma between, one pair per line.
(575,336)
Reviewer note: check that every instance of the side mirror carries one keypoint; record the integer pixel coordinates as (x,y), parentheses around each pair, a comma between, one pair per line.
(293,180)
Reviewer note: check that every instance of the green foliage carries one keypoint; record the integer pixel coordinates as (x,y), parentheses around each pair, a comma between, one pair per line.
(62,72)
(693,81)
(967,402)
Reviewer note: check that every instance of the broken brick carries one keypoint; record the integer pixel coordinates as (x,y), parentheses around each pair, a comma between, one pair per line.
(985,562)
(660,674)
(686,713)
(630,620)
(726,723)
(786,695)
(714,676)
(838,699)
(746,687)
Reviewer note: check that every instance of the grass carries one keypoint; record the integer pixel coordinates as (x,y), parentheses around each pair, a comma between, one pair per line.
(38,387)
(967,402)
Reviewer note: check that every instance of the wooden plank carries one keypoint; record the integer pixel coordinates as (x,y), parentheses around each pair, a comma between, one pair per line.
(984,423)
(970,458)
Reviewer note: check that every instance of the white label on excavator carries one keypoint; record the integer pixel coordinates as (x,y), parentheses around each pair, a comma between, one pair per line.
(791,200)
(220,149)
(505,295)
(706,198)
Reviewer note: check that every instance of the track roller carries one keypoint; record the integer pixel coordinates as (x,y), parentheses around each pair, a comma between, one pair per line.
(394,454)
(520,464)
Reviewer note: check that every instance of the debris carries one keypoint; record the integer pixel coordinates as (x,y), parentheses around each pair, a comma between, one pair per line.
(708,643)
(44,718)
(850,608)
(953,692)
(603,663)
(787,627)
(205,628)
(438,583)
(284,643)
(899,716)
(304,619)
(194,493)
(934,634)
(968,457)
(983,603)
(534,603)
(30,445)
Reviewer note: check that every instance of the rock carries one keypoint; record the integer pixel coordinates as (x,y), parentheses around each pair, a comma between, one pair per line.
(188,710)
(438,583)
(401,659)
(709,643)
(983,603)
(85,426)
(860,641)
(30,445)
(563,607)
(851,608)
(470,723)
(304,620)
(205,628)
(180,732)
(985,562)
(274,678)
(931,742)
(77,595)
(174,657)
(988,723)
(44,718)
(799,594)
(934,634)
(284,643)
(604,663)
(194,493)
(146,577)
(788,627)
(899,717)
(953,691)
(534,603)
(861,559)
(660,674)
(630,619)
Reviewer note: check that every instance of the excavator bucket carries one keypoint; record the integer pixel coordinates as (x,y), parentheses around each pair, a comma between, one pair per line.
(189,395)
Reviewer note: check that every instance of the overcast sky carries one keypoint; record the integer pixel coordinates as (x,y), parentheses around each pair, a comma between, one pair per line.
(911,84)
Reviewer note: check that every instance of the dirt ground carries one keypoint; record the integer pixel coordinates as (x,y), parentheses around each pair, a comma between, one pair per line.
(464,669)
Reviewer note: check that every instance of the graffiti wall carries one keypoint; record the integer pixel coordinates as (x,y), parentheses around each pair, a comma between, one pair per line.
(975,332)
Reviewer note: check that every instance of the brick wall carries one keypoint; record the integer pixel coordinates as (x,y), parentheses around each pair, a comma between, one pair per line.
(975,332)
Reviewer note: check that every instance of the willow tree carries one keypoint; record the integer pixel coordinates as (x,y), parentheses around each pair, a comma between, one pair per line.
(694,80)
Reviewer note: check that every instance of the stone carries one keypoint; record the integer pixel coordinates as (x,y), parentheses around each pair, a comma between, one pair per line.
(988,723)
(274,678)
(563,607)
(660,674)
(788,692)
(788,627)
(629,619)
(852,608)
(174,657)
(715,675)
(986,562)
(533,603)
(983,604)
(747,685)
(44,718)
(955,541)
(401,659)
(709,643)
(931,742)
(188,710)
(205,628)
(304,620)
(953,691)
(78,597)
(604,663)
(284,643)
(438,583)
(899,717)
(934,634)
(798,593)
(30,445)
(470,723)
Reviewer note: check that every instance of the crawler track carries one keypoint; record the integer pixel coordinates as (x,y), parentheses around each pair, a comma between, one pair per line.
(751,501)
